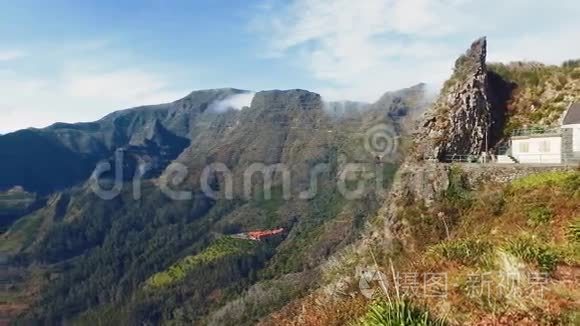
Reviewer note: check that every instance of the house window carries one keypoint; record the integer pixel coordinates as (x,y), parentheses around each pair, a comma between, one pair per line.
(524,147)
(545,146)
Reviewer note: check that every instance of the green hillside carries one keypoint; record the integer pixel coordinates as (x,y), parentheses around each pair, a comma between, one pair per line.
(542,92)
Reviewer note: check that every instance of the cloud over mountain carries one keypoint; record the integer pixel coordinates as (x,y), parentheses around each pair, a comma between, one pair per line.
(361,48)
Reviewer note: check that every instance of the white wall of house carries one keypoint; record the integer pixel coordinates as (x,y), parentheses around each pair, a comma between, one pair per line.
(540,150)
(575,136)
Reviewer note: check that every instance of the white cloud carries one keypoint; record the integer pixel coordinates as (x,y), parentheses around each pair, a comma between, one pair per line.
(8,55)
(546,47)
(123,86)
(77,96)
(361,49)
(80,81)
(22,95)
(236,102)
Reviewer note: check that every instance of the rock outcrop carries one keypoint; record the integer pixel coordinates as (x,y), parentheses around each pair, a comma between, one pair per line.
(468,116)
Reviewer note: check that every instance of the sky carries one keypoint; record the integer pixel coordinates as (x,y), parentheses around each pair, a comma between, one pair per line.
(72,61)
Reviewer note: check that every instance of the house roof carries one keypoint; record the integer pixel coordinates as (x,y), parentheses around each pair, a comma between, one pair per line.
(573,115)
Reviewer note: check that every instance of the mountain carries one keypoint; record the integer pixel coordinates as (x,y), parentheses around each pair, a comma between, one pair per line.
(69,152)
(463,243)
(340,191)
(404,106)
(101,261)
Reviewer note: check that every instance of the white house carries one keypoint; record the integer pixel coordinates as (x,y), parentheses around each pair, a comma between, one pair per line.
(537,148)
(541,145)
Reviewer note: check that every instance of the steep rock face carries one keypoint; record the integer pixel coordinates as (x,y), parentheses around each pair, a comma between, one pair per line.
(287,127)
(404,103)
(466,118)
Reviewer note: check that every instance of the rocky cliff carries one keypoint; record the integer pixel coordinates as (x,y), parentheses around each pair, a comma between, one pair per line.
(468,117)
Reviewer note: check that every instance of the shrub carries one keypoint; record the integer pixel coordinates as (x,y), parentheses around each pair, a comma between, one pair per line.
(559,98)
(562,80)
(464,251)
(538,215)
(498,203)
(571,63)
(458,190)
(532,251)
(574,230)
(501,70)
(400,312)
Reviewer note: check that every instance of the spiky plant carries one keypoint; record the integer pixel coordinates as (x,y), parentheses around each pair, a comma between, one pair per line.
(398,312)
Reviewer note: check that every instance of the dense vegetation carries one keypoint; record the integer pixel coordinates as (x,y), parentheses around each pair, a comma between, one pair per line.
(543,92)
(221,249)
(154,260)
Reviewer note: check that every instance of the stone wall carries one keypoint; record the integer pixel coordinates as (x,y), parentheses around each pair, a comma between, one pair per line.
(425,181)
(478,173)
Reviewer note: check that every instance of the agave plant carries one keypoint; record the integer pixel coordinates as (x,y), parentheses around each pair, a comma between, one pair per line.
(401,312)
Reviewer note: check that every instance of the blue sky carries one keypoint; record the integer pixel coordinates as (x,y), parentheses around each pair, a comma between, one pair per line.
(78,60)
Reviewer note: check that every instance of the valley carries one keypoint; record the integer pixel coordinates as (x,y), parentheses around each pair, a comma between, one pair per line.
(199,212)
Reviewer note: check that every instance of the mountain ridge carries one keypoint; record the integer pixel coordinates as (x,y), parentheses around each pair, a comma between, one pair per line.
(129,240)
(84,144)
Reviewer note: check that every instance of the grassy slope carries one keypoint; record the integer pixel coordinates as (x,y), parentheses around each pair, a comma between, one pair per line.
(21,234)
(484,233)
(527,229)
(523,229)
(222,248)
